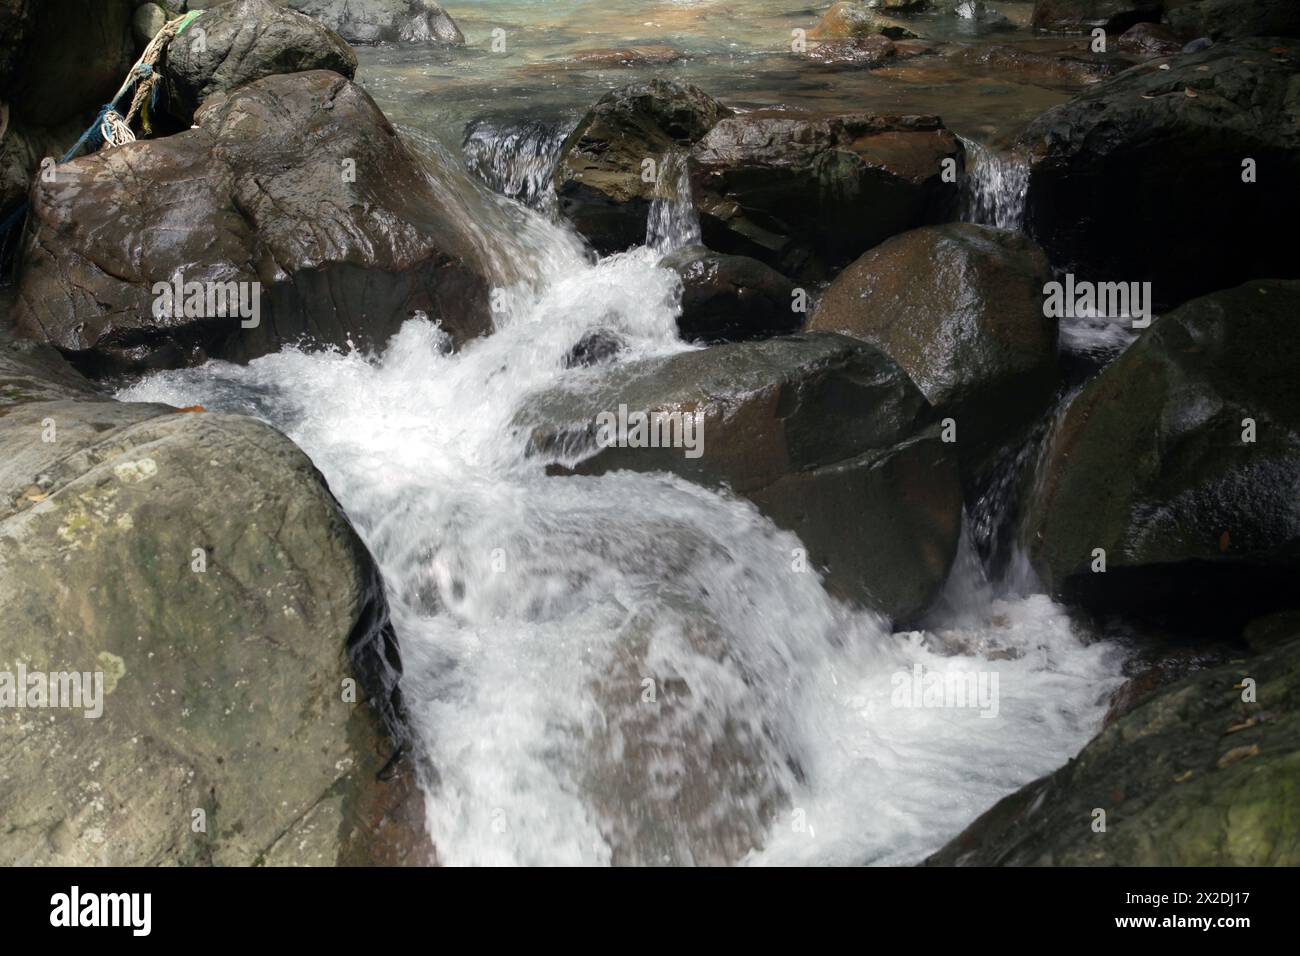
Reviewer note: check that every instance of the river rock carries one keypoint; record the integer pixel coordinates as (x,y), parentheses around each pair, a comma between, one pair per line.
(1196,776)
(148,19)
(383,21)
(1082,16)
(1149,463)
(1100,199)
(1063,67)
(260,192)
(809,192)
(601,180)
(826,435)
(729,298)
(859,20)
(1149,39)
(870,51)
(1232,19)
(960,308)
(223,695)
(243,41)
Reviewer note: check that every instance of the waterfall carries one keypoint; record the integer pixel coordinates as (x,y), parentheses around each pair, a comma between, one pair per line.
(993,188)
(627,668)
(673,221)
(517,159)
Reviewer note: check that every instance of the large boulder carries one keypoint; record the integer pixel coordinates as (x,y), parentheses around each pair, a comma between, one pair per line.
(827,436)
(1196,776)
(1232,19)
(602,182)
(197,570)
(1181,461)
(960,308)
(1101,198)
(296,182)
(383,21)
(730,298)
(809,192)
(243,41)
(1081,16)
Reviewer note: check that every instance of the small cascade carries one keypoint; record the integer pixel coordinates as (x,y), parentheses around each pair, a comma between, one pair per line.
(516,159)
(673,221)
(994,187)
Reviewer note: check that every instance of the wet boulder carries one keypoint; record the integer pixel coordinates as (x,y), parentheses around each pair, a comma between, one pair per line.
(217,607)
(730,298)
(826,435)
(1179,465)
(243,41)
(860,20)
(383,21)
(293,211)
(1146,40)
(1195,776)
(1233,19)
(808,192)
(870,51)
(618,158)
(960,308)
(1101,200)
(1082,16)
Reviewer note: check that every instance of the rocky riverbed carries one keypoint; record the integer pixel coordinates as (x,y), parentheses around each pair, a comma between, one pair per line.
(650,433)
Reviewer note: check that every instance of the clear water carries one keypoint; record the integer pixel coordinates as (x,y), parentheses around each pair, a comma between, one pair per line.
(630,668)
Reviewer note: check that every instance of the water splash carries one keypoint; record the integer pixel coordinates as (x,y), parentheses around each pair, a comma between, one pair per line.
(993,187)
(532,611)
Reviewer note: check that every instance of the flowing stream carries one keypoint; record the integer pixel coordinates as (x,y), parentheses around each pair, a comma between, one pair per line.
(629,668)
(532,610)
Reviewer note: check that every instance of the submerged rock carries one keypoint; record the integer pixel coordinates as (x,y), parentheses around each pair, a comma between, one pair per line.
(1063,67)
(730,298)
(874,50)
(1081,16)
(244,41)
(1233,19)
(1196,776)
(1181,461)
(206,573)
(602,182)
(960,308)
(295,182)
(1101,199)
(809,192)
(383,21)
(827,436)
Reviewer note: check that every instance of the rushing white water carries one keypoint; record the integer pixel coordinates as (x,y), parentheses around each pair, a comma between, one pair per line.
(994,187)
(533,610)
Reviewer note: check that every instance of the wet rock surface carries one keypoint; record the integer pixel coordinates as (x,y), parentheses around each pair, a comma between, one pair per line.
(257,194)
(1102,204)
(1157,463)
(226,604)
(1195,776)
(602,182)
(244,41)
(959,308)
(807,193)
(826,435)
